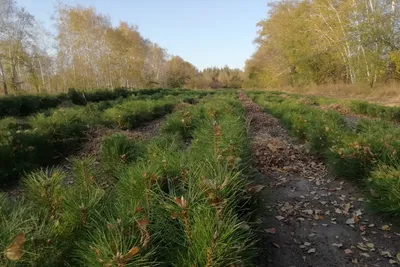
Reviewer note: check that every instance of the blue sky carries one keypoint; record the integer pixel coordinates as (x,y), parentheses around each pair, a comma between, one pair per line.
(203,32)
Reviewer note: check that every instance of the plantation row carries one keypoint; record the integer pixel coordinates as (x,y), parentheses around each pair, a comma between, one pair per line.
(367,153)
(25,105)
(142,203)
(343,105)
(46,138)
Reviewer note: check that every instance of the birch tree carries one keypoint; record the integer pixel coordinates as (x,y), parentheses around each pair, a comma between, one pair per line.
(326,41)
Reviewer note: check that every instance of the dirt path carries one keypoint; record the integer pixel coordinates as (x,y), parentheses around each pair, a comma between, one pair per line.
(309,217)
(95,137)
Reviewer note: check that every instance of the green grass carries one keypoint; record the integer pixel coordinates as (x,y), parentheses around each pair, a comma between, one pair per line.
(384,183)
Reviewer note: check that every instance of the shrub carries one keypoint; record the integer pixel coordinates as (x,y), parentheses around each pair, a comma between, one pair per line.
(184,121)
(118,150)
(27,104)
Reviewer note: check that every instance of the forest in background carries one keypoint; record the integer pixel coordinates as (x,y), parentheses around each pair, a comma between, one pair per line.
(88,52)
(301,44)
(319,42)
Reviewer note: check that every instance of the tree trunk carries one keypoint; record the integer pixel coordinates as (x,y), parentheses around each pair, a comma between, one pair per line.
(3,75)
(41,73)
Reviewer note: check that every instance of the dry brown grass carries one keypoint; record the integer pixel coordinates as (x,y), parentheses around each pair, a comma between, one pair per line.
(386,94)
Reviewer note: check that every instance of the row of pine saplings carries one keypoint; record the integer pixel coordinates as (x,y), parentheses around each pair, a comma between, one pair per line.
(46,138)
(345,106)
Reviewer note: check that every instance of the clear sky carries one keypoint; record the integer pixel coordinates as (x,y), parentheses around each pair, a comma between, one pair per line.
(203,32)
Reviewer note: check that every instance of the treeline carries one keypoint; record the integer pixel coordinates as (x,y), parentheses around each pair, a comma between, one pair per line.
(88,52)
(326,41)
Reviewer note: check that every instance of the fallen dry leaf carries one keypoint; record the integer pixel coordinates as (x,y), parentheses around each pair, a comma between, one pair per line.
(348,251)
(370,245)
(365,254)
(255,189)
(386,254)
(357,213)
(309,212)
(318,217)
(362,246)
(392,261)
(272,147)
(279,217)
(311,250)
(385,227)
(398,256)
(16,249)
(337,245)
(346,208)
(362,228)
(271,230)
(276,245)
